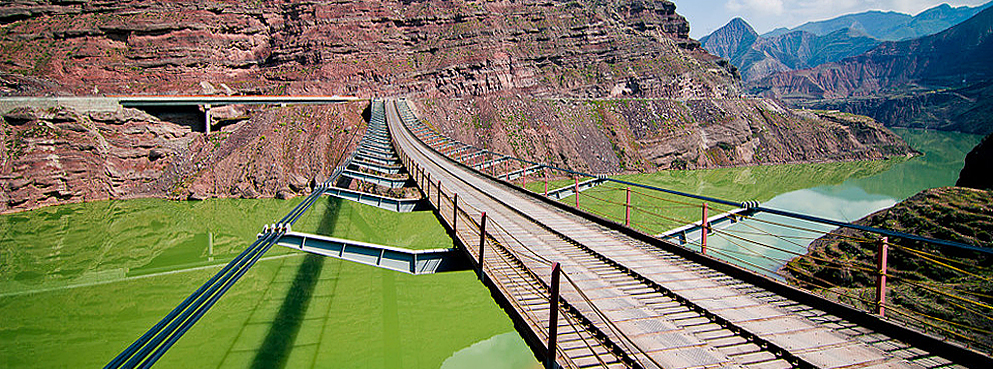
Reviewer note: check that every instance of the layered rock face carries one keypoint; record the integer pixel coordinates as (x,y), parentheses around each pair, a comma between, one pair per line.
(427,48)
(437,52)
(649,135)
(59,156)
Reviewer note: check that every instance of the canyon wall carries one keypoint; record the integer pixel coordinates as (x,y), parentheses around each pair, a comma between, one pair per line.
(603,86)
(646,135)
(359,47)
(59,156)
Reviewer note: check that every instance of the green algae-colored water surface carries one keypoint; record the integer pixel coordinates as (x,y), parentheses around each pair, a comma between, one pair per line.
(80,282)
(839,191)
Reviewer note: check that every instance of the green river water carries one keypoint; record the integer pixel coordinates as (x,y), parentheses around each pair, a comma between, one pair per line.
(80,282)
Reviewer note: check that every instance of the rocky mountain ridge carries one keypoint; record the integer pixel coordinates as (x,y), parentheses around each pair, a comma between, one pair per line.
(939,79)
(760,56)
(891,25)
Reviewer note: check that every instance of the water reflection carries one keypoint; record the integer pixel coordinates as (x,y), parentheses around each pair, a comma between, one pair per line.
(854,198)
(503,351)
(80,244)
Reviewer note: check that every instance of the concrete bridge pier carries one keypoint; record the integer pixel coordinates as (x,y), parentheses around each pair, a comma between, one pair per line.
(207,119)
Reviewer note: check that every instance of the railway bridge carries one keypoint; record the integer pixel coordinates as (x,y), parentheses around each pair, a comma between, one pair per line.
(585,291)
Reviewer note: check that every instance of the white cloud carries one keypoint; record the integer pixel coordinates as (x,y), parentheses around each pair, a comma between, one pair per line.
(774,7)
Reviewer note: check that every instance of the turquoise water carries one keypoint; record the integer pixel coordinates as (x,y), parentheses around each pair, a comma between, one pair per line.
(837,191)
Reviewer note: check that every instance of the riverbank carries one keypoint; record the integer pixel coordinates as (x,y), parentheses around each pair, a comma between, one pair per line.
(947,287)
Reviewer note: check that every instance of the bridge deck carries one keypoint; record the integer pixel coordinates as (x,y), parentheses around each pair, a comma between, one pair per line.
(649,307)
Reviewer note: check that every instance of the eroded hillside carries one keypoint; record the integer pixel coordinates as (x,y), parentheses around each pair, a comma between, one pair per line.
(610,136)
(605,86)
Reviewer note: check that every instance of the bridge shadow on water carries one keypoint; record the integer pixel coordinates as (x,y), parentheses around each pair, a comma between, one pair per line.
(279,341)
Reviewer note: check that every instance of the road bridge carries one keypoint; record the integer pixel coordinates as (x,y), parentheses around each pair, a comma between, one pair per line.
(631,301)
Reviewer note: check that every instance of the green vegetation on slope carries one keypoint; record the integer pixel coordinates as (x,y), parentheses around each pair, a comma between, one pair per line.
(942,283)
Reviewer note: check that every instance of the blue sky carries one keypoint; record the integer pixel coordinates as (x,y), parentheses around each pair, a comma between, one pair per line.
(705,16)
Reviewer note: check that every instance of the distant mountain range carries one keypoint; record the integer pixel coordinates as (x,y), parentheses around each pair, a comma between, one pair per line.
(815,43)
(941,81)
(890,26)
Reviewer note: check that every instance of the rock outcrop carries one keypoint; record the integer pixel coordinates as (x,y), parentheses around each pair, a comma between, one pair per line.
(891,26)
(978,170)
(361,47)
(60,156)
(650,135)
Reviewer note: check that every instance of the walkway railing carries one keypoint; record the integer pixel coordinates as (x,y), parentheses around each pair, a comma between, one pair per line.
(942,287)
(149,348)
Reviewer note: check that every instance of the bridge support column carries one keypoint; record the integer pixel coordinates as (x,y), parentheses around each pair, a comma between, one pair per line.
(207,118)
(881,279)
(703,231)
(553,317)
(482,242)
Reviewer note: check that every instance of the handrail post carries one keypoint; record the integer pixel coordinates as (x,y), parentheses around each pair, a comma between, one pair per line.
(427,186)
(881,278)
(627,209)
(455,213)
(576,189)
(544,175)
(439,195)
(492,167)
(524,178)
(553,316)
(482,242)
(703,231)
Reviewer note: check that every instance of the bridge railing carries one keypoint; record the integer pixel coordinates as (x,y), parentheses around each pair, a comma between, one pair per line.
(156,341)
(516,270)
(938,286)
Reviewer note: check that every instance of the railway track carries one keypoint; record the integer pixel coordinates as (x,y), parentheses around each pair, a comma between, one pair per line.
(627,303)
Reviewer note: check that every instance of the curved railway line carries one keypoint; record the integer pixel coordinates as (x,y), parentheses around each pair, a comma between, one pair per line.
(625,302)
